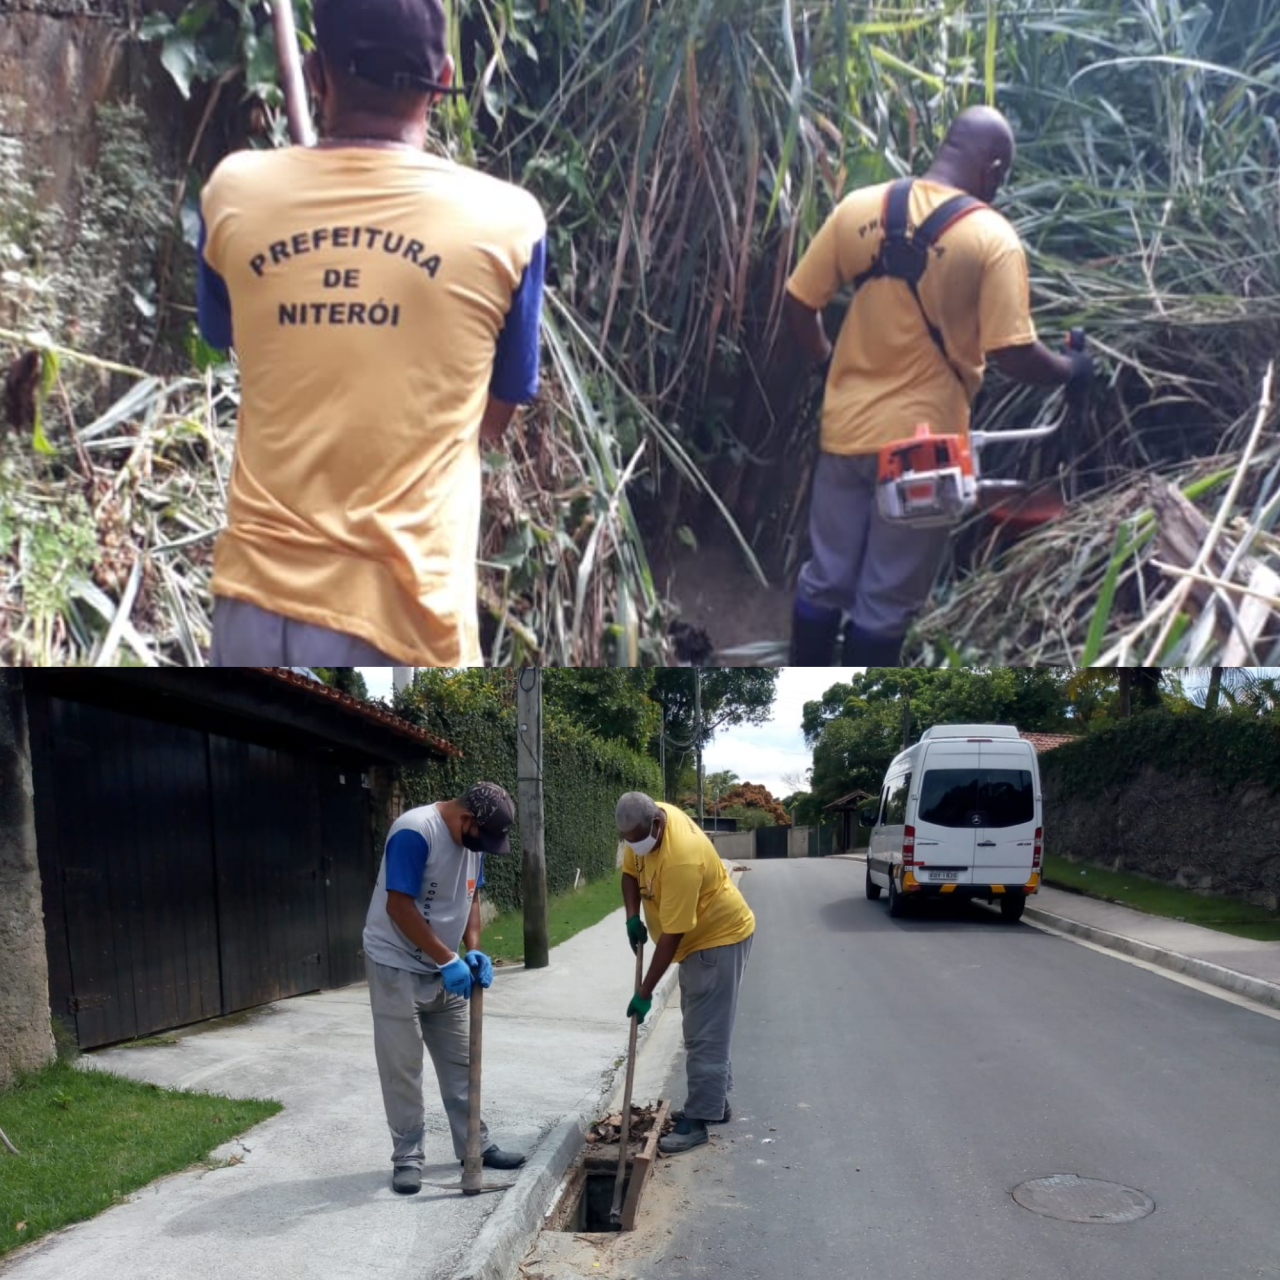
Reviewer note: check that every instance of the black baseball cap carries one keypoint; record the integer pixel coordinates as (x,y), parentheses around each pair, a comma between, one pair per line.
(494,813)
(398,44)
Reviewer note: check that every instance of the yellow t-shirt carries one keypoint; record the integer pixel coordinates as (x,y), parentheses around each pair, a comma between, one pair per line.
(368,290)
(886,374)
(684,888)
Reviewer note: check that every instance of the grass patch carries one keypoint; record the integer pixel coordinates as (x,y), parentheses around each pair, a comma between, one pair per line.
(567,913)
(1228,915)
(89,1138)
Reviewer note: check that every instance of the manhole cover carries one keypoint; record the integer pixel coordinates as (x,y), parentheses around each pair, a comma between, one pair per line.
(1073,1199)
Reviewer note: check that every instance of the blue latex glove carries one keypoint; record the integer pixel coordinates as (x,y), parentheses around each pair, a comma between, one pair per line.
(481,968)
(457,977)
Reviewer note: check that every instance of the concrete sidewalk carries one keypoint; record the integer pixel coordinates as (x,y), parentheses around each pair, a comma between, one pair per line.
(310,1197)
(1241,965)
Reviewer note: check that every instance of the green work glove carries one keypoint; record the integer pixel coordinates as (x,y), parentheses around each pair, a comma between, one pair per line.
(639,1006)
(637,934)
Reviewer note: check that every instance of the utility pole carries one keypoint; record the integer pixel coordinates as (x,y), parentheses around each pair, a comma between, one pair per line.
(697,730)
(906,719)
(533,873)
(402,677)
(662,746)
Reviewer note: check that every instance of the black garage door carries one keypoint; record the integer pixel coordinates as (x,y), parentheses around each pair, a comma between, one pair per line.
(188,874)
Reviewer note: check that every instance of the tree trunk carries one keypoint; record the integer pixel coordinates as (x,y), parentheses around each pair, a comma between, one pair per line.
(1126,692)
(1215,689)
(26,1034)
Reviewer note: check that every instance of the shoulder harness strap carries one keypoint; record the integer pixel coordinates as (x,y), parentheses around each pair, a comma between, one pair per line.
(906,258)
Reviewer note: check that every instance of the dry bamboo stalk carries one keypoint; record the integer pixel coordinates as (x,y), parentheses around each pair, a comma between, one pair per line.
(1225,507)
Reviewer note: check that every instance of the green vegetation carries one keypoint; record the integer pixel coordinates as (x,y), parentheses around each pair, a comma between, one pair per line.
(88,1138)
(1230,750)
(583,775)
(1229,915)
(568,912)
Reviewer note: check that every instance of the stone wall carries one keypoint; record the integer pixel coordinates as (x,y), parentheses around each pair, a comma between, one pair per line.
(26,1036)
(58,61)
(1186,830)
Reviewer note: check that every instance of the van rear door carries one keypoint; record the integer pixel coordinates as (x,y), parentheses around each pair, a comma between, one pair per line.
(1007,804)
(947,820)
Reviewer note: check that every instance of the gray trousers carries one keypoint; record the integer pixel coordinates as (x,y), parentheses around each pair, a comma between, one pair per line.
(409,1010)
(246,636)
(878,575)
(709,985)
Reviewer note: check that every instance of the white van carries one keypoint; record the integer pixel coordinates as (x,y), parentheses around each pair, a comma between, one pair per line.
(960,813)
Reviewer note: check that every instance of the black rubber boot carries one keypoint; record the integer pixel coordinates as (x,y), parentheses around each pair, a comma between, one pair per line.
(724,1119)
(862,650)
(813,635)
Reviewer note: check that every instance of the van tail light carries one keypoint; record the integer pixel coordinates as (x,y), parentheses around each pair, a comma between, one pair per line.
(1035,855)
(909,847)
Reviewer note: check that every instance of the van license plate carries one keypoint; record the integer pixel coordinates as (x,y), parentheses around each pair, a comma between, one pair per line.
(944,875)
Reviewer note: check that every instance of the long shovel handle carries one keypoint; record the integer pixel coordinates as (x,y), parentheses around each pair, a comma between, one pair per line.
(620,1182)
(472,1169)
(290,67)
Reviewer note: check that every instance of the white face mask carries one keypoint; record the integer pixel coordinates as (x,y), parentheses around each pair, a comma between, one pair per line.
(641,847)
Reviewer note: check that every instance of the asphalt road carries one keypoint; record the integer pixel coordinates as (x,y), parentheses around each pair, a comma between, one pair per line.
(895,1080)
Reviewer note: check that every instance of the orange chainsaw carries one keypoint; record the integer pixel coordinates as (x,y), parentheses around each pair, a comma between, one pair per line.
(932,480)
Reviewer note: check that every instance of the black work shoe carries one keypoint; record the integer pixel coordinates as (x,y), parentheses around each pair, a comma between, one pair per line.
(677,1116)
(407,1179)
(495,1158)
(684,1137)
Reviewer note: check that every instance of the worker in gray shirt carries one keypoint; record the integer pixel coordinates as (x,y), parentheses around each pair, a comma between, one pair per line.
(424,908)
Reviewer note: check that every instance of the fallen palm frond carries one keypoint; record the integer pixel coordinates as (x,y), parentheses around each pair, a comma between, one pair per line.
(1134,574)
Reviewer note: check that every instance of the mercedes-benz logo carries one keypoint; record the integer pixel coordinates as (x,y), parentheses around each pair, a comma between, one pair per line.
(976,820)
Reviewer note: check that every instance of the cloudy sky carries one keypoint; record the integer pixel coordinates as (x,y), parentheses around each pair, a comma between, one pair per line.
(756,753)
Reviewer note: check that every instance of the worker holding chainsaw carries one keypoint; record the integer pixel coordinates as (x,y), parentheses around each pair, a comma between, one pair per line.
(421,946)
(384,305)
(940,287)
(702,923)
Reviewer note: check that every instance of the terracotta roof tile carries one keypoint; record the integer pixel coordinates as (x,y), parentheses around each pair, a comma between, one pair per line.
(1047,741)
(357,706)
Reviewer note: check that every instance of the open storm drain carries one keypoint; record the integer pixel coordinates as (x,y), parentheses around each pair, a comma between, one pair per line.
(1073,1199)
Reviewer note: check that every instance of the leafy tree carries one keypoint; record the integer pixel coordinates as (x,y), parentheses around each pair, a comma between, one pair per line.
(748,816)
(730,696)
(345,680)
(611,702)
(720,781)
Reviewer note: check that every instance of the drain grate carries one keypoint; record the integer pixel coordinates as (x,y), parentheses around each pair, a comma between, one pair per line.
(1073,1199)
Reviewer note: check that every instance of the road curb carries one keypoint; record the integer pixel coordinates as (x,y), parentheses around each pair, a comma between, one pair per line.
(1217,975)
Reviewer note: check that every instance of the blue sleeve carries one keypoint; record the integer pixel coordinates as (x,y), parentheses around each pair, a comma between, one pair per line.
(480,882)
(406,861)
(213,303)
(515,364)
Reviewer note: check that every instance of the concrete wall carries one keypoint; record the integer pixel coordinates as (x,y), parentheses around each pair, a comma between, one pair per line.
(734,845)
(798,842)
(1184,830)
(26,1036)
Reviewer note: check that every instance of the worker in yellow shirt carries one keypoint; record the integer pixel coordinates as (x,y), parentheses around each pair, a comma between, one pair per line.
(940,287)
(702,923)
(384,306)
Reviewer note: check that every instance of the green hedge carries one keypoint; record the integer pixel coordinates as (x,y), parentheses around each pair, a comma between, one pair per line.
(1226,749)
(583,776)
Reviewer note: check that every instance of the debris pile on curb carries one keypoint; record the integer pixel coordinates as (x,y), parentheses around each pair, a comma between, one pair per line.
(607,1131)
